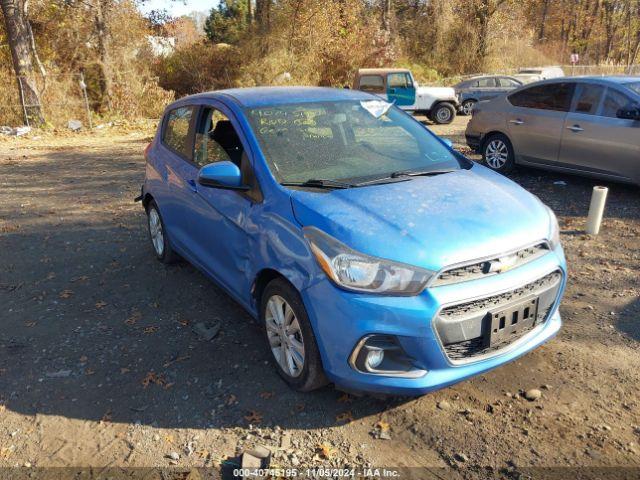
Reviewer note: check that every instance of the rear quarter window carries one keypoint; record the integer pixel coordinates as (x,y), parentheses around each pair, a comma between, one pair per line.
(176,130)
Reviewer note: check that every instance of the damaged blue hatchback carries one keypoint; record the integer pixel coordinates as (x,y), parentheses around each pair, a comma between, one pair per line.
(376,257)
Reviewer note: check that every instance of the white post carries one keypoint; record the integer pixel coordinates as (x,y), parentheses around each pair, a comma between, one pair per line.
(596,209)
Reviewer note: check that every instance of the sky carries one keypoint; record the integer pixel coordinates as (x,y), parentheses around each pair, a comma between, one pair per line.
(178,7)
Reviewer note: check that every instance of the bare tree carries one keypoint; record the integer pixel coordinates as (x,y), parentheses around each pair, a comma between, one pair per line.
(19,37)
(101,11)
(386,15)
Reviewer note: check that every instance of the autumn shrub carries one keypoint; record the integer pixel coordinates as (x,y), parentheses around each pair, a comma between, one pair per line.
(199,68)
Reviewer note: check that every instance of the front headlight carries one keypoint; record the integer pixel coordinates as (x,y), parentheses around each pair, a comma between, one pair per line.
(356,271)
(554,230)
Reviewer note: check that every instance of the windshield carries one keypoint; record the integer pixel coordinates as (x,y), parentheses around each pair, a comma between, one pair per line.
(347,140)
(635,86)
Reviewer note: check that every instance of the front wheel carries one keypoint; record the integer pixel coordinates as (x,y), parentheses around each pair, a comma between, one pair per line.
(497,153)
(467,107)
(290,337)
(443,113)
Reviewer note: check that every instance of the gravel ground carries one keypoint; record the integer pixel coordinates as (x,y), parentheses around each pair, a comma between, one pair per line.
(100,365)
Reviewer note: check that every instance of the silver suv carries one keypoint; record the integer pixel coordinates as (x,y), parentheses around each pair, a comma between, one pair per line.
(584,125)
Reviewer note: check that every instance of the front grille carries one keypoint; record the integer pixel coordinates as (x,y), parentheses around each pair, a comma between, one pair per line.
(482,269)
(472,317)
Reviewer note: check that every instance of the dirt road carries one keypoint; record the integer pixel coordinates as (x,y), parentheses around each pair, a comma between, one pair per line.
(100,366)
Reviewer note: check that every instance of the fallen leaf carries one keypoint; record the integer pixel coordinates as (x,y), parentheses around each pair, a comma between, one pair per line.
(345,417)
(253,417)
(30,324)
(101,304)
(83,359)
(150,329)
(325,450)
(89,371)
(266,395)
(382,426)
(299,407)
(124,370)
(82,278)
(184,322)
(133,318)
(153,377)
(106,417)
(231,399)
(66,294)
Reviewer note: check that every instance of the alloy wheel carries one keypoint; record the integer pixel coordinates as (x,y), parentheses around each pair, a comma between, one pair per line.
(155,230)
(496,154)
(285,336)
(467,108)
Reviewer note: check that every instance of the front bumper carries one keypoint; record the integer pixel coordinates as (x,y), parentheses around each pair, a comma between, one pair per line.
(341,319)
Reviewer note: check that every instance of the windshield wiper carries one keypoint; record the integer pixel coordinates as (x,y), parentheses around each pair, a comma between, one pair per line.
(423,173)
(319,183)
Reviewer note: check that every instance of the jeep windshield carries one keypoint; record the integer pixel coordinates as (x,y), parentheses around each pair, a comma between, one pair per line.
(352,142)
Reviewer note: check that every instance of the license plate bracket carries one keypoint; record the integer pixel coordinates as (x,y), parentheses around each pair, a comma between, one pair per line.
(509,322)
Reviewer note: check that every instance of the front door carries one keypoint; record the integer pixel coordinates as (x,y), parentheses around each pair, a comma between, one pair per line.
(594,139)
(219,218)
(400,89)
(536,120)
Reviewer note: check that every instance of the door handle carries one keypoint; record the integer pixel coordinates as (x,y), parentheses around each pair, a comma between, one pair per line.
(576,128)
(516,121)
(192,185)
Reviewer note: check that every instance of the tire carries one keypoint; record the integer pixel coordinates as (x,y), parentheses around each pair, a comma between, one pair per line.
(442,114)
(280,296)
(497,153)
(467,107)
(158,235)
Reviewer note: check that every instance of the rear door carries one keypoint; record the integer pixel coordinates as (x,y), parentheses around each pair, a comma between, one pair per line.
(536,120)
(175,152)
(400,89)
(594,140)
(487,88)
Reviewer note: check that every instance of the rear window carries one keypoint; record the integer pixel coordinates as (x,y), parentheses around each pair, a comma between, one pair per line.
(613,101)
(372,83)
(487,82)
(550,96)
(176,130)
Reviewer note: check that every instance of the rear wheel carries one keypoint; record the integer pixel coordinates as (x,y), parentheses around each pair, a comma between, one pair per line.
(158,235)
(497,153)
(290,337)
(443,113)
(467,107)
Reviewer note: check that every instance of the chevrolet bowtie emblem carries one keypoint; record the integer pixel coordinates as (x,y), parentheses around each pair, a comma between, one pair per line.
(503,264)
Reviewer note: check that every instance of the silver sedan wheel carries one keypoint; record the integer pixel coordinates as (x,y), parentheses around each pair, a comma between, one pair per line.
(443,115)
(467,108)
(496,154)
(285,336)
(155,230)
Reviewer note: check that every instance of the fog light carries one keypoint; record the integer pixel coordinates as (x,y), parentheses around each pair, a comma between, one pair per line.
(374,358)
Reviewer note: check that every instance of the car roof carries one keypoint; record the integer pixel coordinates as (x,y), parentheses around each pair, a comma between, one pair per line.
(381,71)
(611,79)
(267,96)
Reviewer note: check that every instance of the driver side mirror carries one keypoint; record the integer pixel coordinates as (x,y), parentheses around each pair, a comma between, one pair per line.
(225,175)
(629,112)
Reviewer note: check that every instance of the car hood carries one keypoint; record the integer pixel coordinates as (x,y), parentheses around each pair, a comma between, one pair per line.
(429,222)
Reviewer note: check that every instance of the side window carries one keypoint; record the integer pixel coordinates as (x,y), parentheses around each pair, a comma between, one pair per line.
(176,131)
(399,80)
(372,83)
(613,101)
(508,82)
(550,96)
(487,82)
(216,139)
(588,98)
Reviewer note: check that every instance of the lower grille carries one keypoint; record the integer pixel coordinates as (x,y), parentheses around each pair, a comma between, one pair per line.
(462,328)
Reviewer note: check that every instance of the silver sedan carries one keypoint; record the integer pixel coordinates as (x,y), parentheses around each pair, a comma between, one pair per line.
(584,125)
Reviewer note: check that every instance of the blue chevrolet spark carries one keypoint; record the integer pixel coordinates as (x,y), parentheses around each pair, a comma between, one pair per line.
(376,257)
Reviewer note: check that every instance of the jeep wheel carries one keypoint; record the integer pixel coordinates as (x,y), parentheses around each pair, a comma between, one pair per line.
(443,113)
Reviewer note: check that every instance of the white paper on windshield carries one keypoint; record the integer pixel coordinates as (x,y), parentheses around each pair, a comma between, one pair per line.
(377,108)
